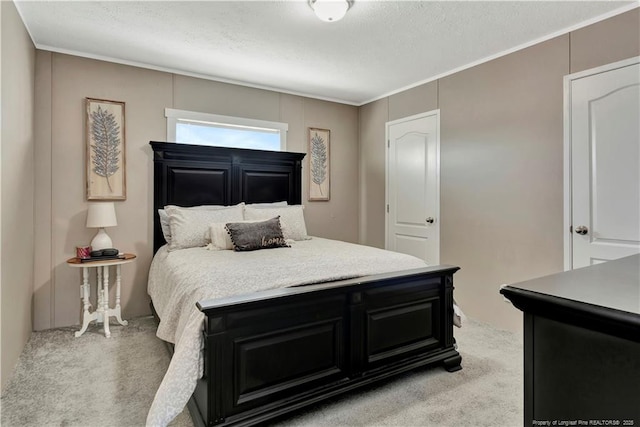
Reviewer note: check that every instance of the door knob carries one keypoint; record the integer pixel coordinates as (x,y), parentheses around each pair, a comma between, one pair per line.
(430,220)
(582,230)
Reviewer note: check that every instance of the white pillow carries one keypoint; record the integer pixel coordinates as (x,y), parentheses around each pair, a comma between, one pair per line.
(190,227)
(220,238)
(291,219)
(164,224)
(268,205)
(164,218)
(219,243)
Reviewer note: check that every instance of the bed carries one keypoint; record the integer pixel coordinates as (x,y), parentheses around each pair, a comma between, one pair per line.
(280,346)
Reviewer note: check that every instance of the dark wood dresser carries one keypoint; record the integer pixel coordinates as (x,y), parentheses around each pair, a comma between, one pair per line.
(582,345)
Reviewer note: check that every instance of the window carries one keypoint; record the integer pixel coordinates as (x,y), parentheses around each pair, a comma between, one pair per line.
(189,127)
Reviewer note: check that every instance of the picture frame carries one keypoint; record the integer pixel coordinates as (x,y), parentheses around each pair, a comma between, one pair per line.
(319,164)
(105,150)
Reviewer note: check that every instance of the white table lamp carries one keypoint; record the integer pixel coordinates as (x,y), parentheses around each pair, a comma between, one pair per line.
(101,215)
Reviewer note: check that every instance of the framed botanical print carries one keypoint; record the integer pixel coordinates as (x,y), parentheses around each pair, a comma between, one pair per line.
(319,164)
(105,145)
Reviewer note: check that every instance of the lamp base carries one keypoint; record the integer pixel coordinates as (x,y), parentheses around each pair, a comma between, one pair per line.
(101,241)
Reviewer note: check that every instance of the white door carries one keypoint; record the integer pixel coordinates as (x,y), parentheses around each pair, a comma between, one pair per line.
(604,134)
(413,188)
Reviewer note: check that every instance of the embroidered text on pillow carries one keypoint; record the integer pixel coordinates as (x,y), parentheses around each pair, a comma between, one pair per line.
(268,242)
(256,235)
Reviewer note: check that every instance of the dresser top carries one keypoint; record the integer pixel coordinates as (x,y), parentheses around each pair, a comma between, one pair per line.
(612,285)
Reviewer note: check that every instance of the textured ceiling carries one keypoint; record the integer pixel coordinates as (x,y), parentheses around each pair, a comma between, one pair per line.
(378,48)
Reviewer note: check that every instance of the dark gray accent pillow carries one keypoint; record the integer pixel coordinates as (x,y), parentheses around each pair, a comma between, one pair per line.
(250,236)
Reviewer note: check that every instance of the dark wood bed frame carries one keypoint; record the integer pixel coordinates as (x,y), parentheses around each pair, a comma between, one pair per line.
(272,352)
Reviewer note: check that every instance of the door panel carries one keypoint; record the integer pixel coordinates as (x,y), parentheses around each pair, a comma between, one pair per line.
(412,245)
(413,187)
(605,165)
(615,207)
(410,194)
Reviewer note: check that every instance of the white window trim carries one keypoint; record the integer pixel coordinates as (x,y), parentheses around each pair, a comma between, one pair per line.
(173,115)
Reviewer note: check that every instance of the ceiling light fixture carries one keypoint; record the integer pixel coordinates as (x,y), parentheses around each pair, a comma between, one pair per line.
(330,10)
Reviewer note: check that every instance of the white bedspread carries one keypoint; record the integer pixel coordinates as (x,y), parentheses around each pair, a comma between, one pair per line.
(178,279)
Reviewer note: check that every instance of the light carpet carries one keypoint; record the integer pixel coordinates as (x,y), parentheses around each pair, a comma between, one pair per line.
(61,380)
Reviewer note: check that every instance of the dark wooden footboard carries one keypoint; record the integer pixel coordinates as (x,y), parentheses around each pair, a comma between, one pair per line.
(272,352)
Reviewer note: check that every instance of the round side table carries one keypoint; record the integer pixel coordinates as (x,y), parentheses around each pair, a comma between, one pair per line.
(102,313)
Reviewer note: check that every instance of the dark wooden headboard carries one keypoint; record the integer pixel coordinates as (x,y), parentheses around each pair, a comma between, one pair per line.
(192,175)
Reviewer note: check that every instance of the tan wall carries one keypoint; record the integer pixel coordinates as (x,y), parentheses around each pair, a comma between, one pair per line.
(64,82)
(501,175)
(61,149)
(17,187)
(337,219)
(372,172)
(606,41)
(418,100)
(501,161)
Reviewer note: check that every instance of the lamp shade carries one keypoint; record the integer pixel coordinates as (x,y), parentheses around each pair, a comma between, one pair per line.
(101,214)
(330,10)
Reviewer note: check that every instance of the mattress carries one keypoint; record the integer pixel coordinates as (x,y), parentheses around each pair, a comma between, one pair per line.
(179,279)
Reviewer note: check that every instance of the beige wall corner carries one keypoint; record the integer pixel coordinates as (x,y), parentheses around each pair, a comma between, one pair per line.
(338,217)
(417,100)
(43,286)
(373,117)
(608,41)
(17,187)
